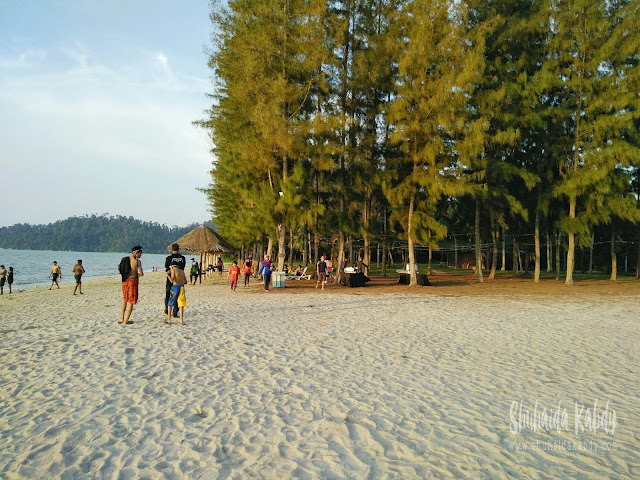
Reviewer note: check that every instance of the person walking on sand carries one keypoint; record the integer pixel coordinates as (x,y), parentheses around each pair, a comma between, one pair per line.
(246,267)
(78,270)
(234,273)
(194,272)
(3,278)
(175,259)
(130,269)
(321,272)
(55,274)
(265,271)
(10,278)
(220,266)
(177,298)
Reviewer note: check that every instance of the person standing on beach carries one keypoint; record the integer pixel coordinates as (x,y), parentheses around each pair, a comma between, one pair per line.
(177,298)
(175,259)
(265,271)
(234,273)
(3,278)
(130,269)
(10,278)
(194,271)
(321,272)
(55,274)
(219,266)
(78,270)
(246,267)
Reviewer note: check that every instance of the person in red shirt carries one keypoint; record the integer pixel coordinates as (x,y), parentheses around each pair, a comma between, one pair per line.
(234,272)
(247,271)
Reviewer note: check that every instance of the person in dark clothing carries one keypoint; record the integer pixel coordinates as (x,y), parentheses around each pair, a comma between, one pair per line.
(321,271)
(175,259)
(194,272)
(10,278)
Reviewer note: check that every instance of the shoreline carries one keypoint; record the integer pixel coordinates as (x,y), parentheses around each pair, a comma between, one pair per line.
(378,381)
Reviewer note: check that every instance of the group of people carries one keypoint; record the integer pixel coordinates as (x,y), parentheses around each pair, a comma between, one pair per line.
(194,271)
(78,271)
(5,277)
(175,301)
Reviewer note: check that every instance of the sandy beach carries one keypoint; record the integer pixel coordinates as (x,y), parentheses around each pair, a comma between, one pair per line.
(384,381)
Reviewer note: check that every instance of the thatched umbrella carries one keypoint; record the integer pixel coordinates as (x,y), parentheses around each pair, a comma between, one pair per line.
(203,240)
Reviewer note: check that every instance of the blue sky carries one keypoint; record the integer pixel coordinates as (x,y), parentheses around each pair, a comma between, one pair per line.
(96,104)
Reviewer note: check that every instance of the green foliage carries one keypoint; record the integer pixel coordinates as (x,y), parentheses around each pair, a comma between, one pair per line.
(352,118)
(92,234)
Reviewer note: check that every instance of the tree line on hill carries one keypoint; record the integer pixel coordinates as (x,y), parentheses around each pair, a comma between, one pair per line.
(342,121)
(95,233)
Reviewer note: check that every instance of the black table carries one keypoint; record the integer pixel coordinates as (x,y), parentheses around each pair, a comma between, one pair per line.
(405,279)
(357,279)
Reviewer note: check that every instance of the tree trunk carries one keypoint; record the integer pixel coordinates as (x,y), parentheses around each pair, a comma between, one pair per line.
(614,257)
(549,253)
(366,258)
(316,248)
(571,251)
(494,247)
(638,262)
(412,259)
(593,239)
(340,257)
(269,247)
(536,273)
(282,241)
(516,255)
(479,278)
(306,242)
(430,255)
(455,252)
(291,247)
(503,267)
(558,244)
(384,259)
(257,258)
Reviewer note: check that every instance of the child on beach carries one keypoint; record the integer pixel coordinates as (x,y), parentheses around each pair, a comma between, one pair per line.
(246,266)
(10,278)
(177,297)
(234,272)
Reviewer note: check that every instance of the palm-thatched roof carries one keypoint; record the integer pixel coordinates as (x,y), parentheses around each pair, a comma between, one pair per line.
(203,240)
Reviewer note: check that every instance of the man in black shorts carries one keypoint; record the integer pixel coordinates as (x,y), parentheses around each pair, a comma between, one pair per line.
(321,271)
(78,270)
(175,259)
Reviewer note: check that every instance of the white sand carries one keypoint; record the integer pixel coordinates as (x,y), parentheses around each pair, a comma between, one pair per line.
(312,385)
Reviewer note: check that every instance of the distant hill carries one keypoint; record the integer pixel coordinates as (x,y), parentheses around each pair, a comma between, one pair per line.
(92,234)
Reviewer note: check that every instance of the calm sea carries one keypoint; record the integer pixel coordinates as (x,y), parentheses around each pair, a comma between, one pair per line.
(31,268)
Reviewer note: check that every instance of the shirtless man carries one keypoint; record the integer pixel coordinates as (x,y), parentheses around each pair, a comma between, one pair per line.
(78,270)
(177,297)
(55,274)
(3,277)
(130,270)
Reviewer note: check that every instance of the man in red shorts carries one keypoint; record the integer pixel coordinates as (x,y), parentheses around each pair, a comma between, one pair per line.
(130,269)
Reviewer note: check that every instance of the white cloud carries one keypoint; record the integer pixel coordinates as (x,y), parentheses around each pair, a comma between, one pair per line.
(25,59)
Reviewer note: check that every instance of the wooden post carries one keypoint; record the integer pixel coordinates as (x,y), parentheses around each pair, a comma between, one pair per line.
(200,272)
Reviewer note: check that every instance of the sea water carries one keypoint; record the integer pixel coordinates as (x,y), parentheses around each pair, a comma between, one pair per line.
(32,268)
